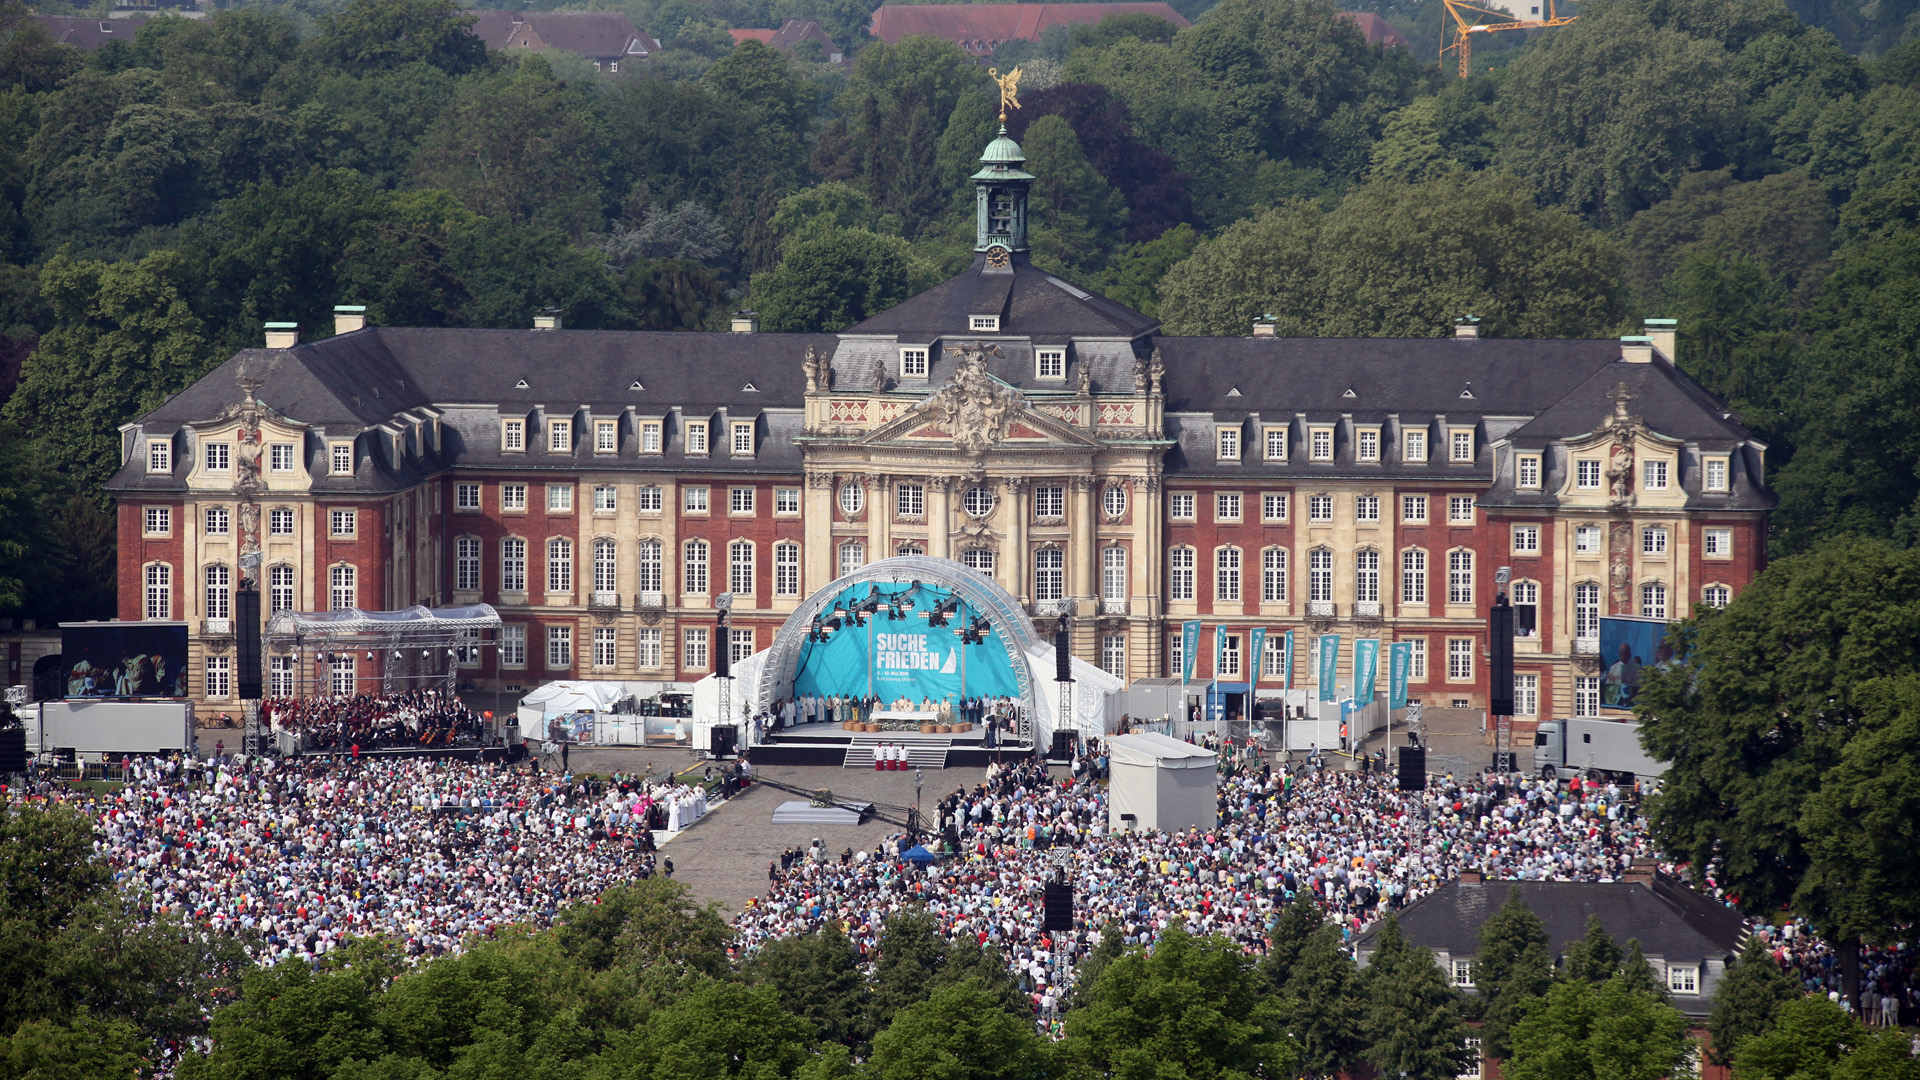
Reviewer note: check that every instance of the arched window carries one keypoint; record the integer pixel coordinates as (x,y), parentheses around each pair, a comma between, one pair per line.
(1273,575)
(1113,572)
(1459,577)
(159,591)
(1653,600)
(693,567)
(1413,577)
(280,588)
(466,564)
(1586,610)
(342,588)
(650,566)
(1525,597)
(1715,596)
(559,565)
(1049,574)
(219,592)
(1226,574)
(740,567)
(606,565)
(853,556)
(1366,577)
(786,569)
(979,558)
(1180,573)
(1320,574)
(513,565)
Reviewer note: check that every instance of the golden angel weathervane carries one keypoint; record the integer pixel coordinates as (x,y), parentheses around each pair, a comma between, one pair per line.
(1009,85)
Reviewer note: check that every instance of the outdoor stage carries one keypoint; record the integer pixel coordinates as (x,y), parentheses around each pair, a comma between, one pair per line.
(829,744)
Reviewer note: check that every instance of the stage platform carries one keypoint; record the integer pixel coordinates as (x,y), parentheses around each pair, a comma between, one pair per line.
(828,744)
(800,812)
(499,754)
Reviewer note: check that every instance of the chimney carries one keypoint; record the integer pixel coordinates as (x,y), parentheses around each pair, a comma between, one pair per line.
(746,322)
(349,317)
(547,319)
(283,335)
(1636,350)
(1641,871)
(1470,877)
(1466,328)
(1265,326)
(1665,334)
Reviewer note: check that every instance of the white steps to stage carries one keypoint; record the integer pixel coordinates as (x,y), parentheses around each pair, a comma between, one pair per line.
(922,752)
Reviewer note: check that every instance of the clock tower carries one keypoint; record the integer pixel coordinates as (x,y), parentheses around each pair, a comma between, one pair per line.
(1000,201)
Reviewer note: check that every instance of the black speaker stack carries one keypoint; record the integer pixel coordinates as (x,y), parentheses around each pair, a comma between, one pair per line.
(1062,654)
(246,642)
(1413,768)
(1056,899)
(13,750)
(1500,663)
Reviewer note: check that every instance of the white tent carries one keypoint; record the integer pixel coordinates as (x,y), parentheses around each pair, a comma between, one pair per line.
(706,701)
(1095,693)
(1160,783)
(564,697)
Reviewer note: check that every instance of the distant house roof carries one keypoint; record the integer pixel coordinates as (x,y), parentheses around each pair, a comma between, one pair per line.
(980,28)
(596,35)
(1376,28)
(751,35)
(85,32)
(791,33)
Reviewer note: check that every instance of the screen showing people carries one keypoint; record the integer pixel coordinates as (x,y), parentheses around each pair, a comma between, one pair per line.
(124,660)
(1628,648)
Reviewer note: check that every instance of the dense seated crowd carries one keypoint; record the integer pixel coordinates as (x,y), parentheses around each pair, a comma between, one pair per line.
(413,719)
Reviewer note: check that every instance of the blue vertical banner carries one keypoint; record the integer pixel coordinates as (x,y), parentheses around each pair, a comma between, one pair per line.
(1189,645)
(1366,665)
(1329,666)
(1219,654)
(1286,663)
(1257,653)
(1399,664)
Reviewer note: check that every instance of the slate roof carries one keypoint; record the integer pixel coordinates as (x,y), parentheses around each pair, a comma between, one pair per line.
(1028,300)
(595,34)
(978,27)
(87,33)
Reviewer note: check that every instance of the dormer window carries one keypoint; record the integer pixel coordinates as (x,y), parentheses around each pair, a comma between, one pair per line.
(219,456)
(513,436)
(913,363)
(696,436)
(1050,363)
(1229,444)
(559,436)
(987,323)
(160,456)
(606,436)
(743,438)
(342,458)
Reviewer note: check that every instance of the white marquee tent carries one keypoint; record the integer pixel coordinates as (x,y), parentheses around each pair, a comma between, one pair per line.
(1162,783)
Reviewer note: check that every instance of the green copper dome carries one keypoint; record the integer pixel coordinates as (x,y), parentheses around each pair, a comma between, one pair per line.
(1003,151)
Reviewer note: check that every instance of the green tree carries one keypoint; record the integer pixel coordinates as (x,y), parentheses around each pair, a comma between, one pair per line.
(818,979)
(725,1030)
(1194,1008)
(29,57)
(1288,935)
(1606,1032)
(1512,971)
(1783,222)
(961,1032)
(1747,1000)
(1321,1007)
(1134,275)
(756,78)
(1413,1027)
(653,921)
(832,278)
(1594,958)
(290,1023)
(86,1049)
(1809,1036)
(371,35)
(1072,210)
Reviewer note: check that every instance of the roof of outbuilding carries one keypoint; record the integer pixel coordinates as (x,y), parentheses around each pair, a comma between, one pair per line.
(1002,22)
(588,33)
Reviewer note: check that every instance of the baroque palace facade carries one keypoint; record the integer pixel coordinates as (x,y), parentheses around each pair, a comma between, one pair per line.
(603,489)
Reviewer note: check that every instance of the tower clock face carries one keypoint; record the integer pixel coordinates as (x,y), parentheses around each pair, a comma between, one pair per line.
(997,256)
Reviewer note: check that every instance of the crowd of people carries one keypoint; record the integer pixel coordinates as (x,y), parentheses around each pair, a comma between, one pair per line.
(413,719)
(1889,976)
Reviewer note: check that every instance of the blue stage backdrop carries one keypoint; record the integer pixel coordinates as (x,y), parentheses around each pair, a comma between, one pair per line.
(896,658)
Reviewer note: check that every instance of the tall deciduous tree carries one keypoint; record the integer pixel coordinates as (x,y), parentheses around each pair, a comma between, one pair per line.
(832,278)
(1747,1000)
(1607,1032)
(961,1032)
(1512,971)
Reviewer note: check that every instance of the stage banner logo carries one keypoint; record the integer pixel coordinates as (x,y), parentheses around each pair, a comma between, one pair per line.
(1256,653)
(1189,647)
(891,659)
(1329,667)
(1399,664)
(1366,665)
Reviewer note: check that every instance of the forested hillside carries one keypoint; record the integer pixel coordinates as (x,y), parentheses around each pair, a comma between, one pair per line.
(1720,162)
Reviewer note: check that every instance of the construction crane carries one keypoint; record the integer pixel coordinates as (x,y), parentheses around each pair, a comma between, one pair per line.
(1469,20)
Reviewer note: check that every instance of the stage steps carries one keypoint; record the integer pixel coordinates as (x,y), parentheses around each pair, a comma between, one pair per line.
(922,752)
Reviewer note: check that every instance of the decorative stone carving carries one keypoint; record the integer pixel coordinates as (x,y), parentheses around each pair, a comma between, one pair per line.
(818,369)
(1015,485)
(1139,375)
(1624,429)
(1156,371)
(939,483)
(1146,485)
(1084,483)
(821,481)
(1620,566)
(974,406)
(877,375)
(1086,379)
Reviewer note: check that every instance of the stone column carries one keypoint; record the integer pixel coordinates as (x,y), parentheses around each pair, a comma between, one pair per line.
(818,544)
(1149,557)
(1081,549)
(1013,560)
(939,516)
(879,515)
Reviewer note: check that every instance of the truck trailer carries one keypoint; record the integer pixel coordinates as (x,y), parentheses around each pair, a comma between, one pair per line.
(1603,749)
(93,729)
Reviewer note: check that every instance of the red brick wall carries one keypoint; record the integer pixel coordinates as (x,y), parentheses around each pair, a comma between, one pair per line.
(137,550)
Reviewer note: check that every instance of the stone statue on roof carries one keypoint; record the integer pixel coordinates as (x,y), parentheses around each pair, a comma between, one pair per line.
(974,406)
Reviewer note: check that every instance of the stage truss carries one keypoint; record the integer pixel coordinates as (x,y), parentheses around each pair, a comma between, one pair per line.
(380,651)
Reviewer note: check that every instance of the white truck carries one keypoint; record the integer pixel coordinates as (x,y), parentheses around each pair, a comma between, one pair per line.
(95,728)
(1585,745)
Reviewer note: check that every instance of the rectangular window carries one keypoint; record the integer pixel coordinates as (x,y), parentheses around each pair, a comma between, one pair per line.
(1273,576)
(219,456)
(606,436)
(280,676)
(1413,509)
(1226,575)
(1460,445)
(740,643)
(1716,595)
(513,436)
(696,436)
(1049,501)
(1683,978)
(1176,655)
(1113,655)
(1653,540)
(1414,445)
(342,588)
(693,568)
(1273,508)
(159,591)
(559,648)
(1526,695)
(1587,474)
(1180,507)
(559,498)
(159,456)
(1416,660)
(559,436)
(1527,471)
(740,500)
(513,565)
(606,644)
(219,598)
(1460,510)
(743,438)
(1526,539)
(651,569)
(1226,506)
(280,589)
(342,522)
(1180,574)
(1413,577)
(1113,573)
(466,496)
(219,676)
(1715,474)
(1366,444)
(786,501)
(1049,574)
(647,647)
(513,498)
(913,363)
(1229,657)
(606,498)
(280,521)
(740,568)
(1366,508)
(693,648)
(910,501)
(1463,973)
(988,323)
(559,565)
(1653,600)
(649,500)
(1319,508)
(1228,444)
(219,521)
(1716,543)
(1586,540)
(343,459)
(693,500)
(1460,577)
(1653,475)
(1320,575)
(1276,440)
(280,457)
(853,556)
(786,569)
(466,564)
(513,646)
(1586,695)
(1320,444)
(1050,363)
(1366,577)
(1459,659)
(650,436)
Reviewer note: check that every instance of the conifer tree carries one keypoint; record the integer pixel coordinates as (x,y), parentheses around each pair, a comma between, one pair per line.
(1746,1001)
(1322,1006)
(1413,1027)
(1595,957)
(1512,971)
